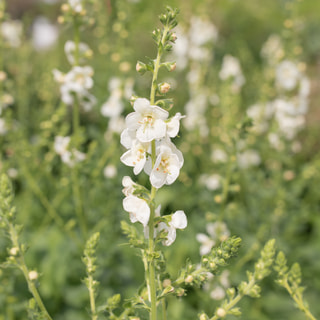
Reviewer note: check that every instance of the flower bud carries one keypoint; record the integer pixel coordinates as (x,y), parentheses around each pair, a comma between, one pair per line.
(189,279)
(173,37)
(14,251)
(203,316)
(33,275)
(166,283)
(141,67)
(65,7)
(164,87)
(221,313)
(3,76)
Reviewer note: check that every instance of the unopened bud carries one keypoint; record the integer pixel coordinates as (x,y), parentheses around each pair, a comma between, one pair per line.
(141,67)
(221,312)
(189,279)
(173,37)
(180,292)
(65,7)
(173,66)
(61,20)
(203,316)
(166,283)
(164,87)
(33,275)
(14,251)
(3,76)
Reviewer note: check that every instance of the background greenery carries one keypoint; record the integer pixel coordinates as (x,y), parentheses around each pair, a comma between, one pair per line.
(264,204)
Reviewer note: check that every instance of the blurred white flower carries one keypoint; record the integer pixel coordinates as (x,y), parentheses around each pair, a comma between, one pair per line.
(219,155)
(212,182)
(12,32)
(44,34)
(272,50)
(61,144)
(248,158)
(206,243)
(110,171)
(218,293)
(287,75)
(70,48)
(76,5)
(3,127)
(231,69)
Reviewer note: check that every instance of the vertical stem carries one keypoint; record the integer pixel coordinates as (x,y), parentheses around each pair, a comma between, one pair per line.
(22,265)
(92,299)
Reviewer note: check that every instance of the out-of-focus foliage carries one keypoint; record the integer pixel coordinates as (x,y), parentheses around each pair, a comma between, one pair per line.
(249,139)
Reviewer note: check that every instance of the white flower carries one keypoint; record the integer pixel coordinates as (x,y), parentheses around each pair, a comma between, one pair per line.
(70,48)
(76,5)
(12,32)
(128,185)
(217,293)
(70,158)
(61,144)
(287,75)
(113,107)
(178,221)
(147,120)
(167,165)
(272,49)
(136,156)
(79,78)
(206,243)
(138,209)
(3,127)
(173,125)
(248,158)
(110,171)
(219,155)
(231,69)
(212,182)
(44,34)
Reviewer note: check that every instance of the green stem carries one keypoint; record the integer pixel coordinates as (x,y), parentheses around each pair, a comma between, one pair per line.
(234,301)
(151,266)
(298,300)
(22,265)
(92,299)
(78,202)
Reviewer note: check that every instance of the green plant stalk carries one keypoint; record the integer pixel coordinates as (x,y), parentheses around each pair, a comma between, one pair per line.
(298,300)
(238,297)
(23,267)
(92,298)
(77,201)
(151,266)
(76,127)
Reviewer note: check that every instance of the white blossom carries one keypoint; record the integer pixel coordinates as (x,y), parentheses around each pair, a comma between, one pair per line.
(44,34)
(287,75)
(12,32)
(110,171)
(136,156)
(138,209)
(178,221)
(70,48)
(167,165)
(147,120)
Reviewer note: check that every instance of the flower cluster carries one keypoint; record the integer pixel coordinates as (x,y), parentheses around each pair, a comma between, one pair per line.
(114,106)
(284,115)
(147,138)
(150,123)
(69,157)
(75,84)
